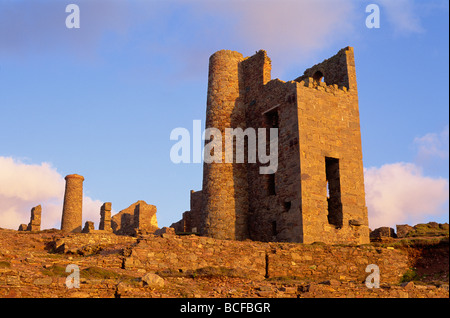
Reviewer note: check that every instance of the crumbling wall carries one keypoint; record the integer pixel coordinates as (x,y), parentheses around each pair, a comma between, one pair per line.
(91,243)
(35,220)
(314,262)
(196,211)
(105,217)
(275,202)
(192,219)
(332,179)
(138,216)
(329,129)
(337,70)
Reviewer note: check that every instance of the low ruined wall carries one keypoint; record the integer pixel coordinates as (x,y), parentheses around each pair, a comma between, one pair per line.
(80,239)
(81,243)
(258,259)
(312,262)
(193,252)
(344,263)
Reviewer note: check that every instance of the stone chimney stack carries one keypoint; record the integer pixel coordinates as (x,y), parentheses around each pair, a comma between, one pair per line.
(71,220)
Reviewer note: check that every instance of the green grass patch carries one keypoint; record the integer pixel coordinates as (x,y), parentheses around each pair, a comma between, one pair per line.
(286,279)
(415,242)
(428,230)
(409,275)
(55,270)
(5,264)
(101,273)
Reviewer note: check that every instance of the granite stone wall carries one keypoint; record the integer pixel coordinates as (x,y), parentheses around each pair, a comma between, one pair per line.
(314,262)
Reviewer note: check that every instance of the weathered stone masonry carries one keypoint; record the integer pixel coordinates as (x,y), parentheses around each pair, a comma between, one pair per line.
(105,217)
(138,217)
(35,220)
(72,214)
(317,192)
(266,260)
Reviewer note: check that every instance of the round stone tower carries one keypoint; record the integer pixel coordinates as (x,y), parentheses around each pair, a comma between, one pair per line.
(225,203)
(71,220)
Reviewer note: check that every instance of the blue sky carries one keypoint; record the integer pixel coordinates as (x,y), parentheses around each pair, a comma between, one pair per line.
(102,100)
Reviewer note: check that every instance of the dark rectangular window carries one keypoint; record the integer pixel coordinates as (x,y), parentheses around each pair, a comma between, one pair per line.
(271,183)
(333,192)
(274,228)
(271,119)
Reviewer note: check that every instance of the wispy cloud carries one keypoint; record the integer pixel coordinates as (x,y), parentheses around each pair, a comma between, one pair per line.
(432,145)
(31,28)
(288,30)
(184,32)
(403,15)
(286,25)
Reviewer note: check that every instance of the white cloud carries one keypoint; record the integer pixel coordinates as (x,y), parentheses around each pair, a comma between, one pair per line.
(29,182)
(403,16)
(184,32)
(281,26)
(287,29)
(23,186)
(433,145)
(91,210)
(399,193)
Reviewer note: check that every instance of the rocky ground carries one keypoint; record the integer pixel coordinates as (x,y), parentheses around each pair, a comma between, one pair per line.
(30,267)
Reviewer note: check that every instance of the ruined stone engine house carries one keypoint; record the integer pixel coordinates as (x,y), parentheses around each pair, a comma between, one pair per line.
(317,192)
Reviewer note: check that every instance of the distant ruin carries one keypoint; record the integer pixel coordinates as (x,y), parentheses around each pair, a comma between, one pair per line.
(35,220)
(71,220)
(138,217)
(105,217)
